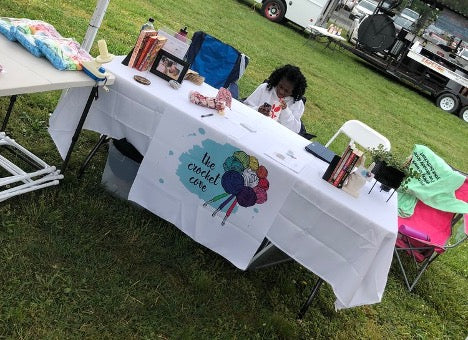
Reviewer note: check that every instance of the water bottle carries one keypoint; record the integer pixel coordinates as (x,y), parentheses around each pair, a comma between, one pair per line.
(182,35)
(148,25)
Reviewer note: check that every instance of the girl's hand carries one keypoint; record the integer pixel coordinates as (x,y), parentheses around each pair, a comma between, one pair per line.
(283,104)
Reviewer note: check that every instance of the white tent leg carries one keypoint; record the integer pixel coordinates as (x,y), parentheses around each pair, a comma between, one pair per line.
(93,27)
(94,24)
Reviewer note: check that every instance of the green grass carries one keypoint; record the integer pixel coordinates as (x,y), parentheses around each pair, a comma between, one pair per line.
(76,262)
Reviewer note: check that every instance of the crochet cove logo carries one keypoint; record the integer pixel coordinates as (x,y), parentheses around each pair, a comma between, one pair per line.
(223,176)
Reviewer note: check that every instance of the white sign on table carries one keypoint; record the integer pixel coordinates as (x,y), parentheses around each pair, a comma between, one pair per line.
(210,187)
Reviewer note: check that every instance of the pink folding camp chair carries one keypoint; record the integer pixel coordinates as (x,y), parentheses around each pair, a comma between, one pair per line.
(428,233)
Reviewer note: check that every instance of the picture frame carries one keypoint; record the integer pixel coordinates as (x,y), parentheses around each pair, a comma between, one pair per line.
(169,67)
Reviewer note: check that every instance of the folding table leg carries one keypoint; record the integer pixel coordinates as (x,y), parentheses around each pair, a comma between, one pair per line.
(91,97)
(7,116)
(101,141)
(306,305)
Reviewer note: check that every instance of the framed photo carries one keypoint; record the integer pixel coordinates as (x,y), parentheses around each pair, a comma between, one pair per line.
(169,67)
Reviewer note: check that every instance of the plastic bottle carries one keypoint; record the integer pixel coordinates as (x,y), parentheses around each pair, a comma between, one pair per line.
(182,34)
(148,25)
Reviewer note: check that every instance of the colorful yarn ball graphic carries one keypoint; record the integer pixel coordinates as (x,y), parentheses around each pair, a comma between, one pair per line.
(244,182)
(250,178)
(232,163)
(262,172)
(253,163)
(261,195)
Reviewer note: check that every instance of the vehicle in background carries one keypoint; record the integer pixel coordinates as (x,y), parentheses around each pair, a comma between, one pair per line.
(402,22)
(433,29)
(435,35)
(389,4)
(353,30)
(382,6)
(348,5)
(363,8)
(464,53)
(301,12)
(398,22)
(409,14)
(438,69)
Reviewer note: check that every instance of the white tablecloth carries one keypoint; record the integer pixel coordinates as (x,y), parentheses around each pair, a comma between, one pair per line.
(346,241)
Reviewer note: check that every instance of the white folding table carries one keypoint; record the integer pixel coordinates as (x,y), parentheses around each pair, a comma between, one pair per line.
(317,31)
(24,73)
(346,241)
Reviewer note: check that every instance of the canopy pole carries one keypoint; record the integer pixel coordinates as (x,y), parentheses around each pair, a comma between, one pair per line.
(93,27)
(94,24)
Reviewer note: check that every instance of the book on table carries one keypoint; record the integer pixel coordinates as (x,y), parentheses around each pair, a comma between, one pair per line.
(339,165)
(148,57)
(144,51)
(345,166)
(140,45)
(348,168)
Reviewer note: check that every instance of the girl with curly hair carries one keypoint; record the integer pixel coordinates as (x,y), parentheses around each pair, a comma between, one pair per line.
(280,97)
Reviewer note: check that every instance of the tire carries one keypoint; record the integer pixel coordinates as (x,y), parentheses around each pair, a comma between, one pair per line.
(448,102)
(464,113)
(274,10)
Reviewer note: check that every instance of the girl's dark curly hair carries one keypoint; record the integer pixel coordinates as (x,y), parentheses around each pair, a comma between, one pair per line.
(292,74)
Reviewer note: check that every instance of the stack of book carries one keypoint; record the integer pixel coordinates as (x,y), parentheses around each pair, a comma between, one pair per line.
(344,167)
(146,49)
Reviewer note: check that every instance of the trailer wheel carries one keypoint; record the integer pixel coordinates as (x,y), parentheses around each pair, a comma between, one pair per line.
(464,113)
(448,102)
(274,10)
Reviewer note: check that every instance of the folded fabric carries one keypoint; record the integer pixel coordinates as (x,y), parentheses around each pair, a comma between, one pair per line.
(435,186)
(64,54)
(42,39)
(29,42)
(8,27)
(27,31)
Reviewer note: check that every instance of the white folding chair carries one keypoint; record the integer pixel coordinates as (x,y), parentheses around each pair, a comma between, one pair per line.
(361,134)
(21,181)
